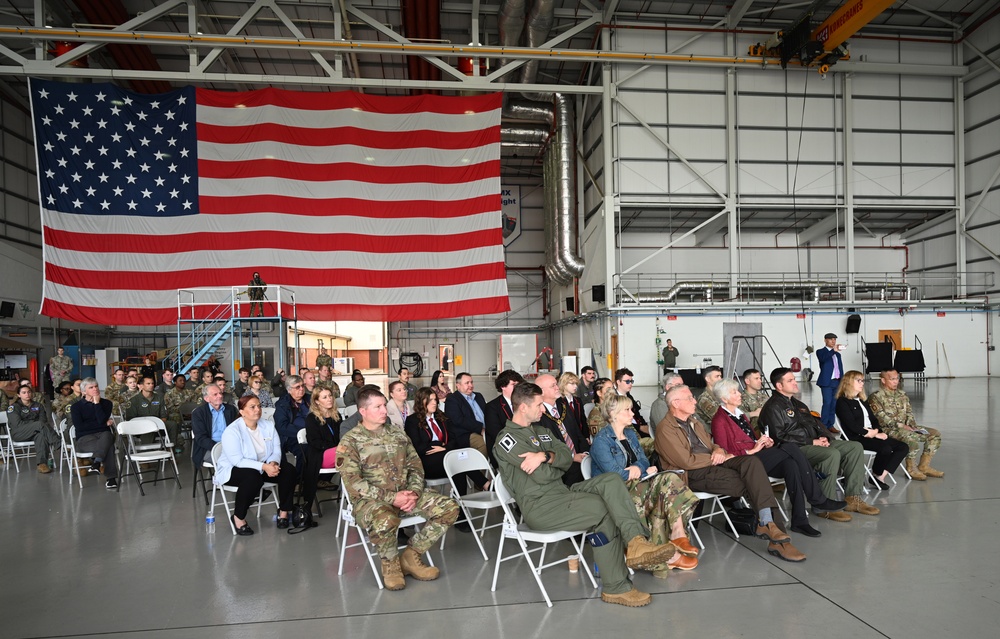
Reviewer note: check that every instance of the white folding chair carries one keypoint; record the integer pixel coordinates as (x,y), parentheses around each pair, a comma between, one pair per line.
(135,453)
(64,453)
(222,490)
(76,457)
(713,503)
(587,467)
(463,461)
(347,514)
(524,535)
(329,472)
(349,410)
(340,402)
(589,406)
(779,481)
(267,413)
(4,438)
(15,449)
(869,460)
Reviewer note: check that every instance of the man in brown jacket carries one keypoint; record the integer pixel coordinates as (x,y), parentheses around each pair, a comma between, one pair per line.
(682,442)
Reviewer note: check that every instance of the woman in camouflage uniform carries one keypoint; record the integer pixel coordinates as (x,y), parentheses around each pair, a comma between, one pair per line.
(662,500)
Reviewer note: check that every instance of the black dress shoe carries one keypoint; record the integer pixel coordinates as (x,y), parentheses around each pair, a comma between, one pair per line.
(243,531)
(463,526)
(877,483)
(807,530)
(282,523)
(829,506)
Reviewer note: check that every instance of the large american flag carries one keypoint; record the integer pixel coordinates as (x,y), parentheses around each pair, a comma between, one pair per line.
(368,207)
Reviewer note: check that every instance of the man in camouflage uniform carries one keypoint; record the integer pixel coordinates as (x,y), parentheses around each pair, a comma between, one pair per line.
(894,413)
(532,462)
(60,367)
(114,389)
(175,397)
(385,481)
(146,403)
(707,404)
(323,359)
(326,379)
(207,377)
(754,396)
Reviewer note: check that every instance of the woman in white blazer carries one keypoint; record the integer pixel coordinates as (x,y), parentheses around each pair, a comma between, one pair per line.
(397,409)
(251,455)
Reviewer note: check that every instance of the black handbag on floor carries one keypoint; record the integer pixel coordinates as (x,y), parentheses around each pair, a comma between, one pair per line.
(744,520)
(301,519)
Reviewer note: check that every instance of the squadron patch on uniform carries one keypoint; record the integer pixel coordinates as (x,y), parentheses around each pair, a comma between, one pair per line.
(545,438)
(507,442)
(534,441)
(10,409)
(790,412)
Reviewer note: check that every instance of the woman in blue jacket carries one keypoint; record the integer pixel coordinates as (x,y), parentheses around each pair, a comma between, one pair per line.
(251,455)
(663,500)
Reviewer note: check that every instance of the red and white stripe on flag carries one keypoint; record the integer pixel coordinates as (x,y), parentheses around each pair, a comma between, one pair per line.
(368,207)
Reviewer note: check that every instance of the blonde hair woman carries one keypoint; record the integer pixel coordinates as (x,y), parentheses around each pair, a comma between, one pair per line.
(662,500)
(858,421)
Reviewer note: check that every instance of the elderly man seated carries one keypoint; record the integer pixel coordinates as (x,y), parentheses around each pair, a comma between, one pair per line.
(682,442)
(789,421)
(893,411)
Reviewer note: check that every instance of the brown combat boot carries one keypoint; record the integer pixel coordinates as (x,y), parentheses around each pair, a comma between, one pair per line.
(412,565)
(856,505)
(642,554)
(925,466)
(44,468)
(914,471)
(392,576)
(837,515)
(786,551)
(633,598)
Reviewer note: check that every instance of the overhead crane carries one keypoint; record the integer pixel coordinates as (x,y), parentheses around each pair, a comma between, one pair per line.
(823,45)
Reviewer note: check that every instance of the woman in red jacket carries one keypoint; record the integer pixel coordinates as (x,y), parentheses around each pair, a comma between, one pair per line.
(732,431)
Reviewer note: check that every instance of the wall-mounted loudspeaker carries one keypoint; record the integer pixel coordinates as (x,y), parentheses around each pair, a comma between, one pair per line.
(597,293)
(853,324)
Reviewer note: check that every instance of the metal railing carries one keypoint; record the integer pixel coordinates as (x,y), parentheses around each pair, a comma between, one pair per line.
(710,288)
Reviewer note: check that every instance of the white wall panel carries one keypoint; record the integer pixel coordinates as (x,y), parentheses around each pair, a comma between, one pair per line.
(683,180)
(767,145)
(983,140)
(813,180)
(655,77)
(814,146)
(635,141)
(639,40)
(696,78)
(875,50)
(928,182)
(761,110)
(982,106)
(926,53)
(875,84)
(875,114)
(928,115)
(928,148)
(927,87)
(699,143)
(692,108)
(878,181)
(763,179)
(761,80)
(640,177)
(707,44)
(819,111)
(876,147)
(650,107)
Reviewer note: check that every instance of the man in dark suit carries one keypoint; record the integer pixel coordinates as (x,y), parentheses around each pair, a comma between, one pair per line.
(500,409)
(831,369)
(563,426)
(466,412)
(208,421)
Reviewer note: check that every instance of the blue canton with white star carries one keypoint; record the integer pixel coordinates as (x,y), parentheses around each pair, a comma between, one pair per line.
(103,150)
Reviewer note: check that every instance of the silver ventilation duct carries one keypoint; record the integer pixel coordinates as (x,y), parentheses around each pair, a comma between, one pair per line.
(559,176)
(559,168)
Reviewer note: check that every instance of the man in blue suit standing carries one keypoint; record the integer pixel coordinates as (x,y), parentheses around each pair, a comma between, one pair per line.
(831,369)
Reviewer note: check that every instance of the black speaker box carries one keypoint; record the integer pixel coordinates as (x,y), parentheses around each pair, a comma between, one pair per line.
(597,293)
(6,309)
(569,305)
(853,324)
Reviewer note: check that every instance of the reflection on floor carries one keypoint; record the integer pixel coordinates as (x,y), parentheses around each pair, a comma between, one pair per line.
(89,562)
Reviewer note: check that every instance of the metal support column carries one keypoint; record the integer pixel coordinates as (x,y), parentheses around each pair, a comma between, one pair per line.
(607,138)
(848,181)
(961,267)
(732,211)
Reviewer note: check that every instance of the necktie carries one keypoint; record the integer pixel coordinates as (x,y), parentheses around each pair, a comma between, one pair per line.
(563,431)
(436,429)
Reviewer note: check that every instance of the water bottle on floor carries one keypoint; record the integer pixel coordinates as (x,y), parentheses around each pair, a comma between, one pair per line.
(210,523)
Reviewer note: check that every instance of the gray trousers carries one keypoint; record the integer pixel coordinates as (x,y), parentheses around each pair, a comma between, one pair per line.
(103,446)
(47,440)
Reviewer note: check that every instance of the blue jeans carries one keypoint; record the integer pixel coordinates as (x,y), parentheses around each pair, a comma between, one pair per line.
(829,414)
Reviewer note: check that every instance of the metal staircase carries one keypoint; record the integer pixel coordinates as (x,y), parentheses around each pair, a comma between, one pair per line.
(205,324)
